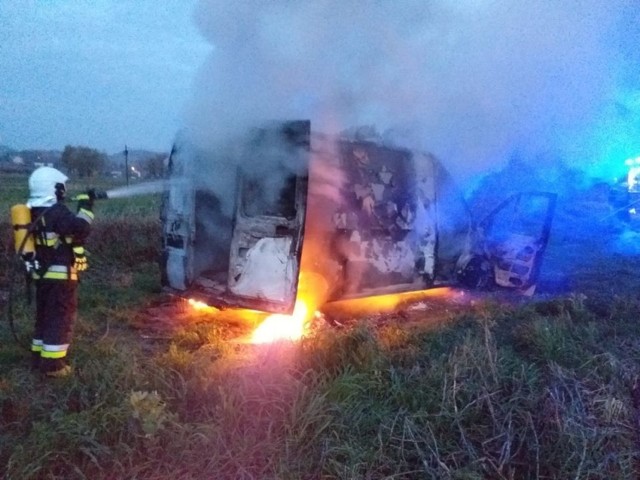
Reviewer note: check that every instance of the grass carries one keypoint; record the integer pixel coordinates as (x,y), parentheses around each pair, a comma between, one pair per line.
(541,390)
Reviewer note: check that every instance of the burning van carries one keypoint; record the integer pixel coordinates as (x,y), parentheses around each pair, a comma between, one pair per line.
(248,224)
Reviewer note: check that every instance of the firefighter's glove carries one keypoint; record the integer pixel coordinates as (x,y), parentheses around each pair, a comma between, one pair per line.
(85,200)
(81,263)
(85,206)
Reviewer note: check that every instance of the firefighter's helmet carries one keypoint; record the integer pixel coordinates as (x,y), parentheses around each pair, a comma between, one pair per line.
(46,186)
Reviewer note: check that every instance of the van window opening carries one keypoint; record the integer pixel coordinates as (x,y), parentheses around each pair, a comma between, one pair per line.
(258,200)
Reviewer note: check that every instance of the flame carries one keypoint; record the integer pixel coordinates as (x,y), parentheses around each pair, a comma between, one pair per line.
(283,327)
(312,293)
(200,306)
(388,303)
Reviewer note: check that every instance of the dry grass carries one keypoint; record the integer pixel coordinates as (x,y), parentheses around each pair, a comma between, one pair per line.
(545,390)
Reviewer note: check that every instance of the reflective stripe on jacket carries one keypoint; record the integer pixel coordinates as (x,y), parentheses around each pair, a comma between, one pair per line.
(57,272)
(57,231)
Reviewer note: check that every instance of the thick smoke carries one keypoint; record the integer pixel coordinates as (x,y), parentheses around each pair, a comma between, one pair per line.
(473,82)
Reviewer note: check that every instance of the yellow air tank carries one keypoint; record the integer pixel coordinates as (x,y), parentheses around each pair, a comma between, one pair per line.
(20,219)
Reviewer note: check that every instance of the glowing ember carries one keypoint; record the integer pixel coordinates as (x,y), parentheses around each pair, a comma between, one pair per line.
(282,327)
(198,305)
(388,303)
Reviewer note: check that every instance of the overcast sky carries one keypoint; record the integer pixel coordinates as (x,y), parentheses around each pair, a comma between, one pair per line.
(472,81)
(100,73)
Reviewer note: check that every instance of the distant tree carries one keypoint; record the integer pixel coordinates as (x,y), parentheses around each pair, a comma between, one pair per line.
(154,166)
(30,156)
(83,161)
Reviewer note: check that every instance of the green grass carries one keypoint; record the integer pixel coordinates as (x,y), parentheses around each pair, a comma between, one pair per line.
(540,390)
(459,405)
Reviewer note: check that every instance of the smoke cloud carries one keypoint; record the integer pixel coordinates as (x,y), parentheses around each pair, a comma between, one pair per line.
(473,82)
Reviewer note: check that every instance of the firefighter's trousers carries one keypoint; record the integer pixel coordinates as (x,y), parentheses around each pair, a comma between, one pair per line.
(56,306)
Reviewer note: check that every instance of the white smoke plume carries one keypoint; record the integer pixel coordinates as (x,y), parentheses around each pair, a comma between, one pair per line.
(471,81)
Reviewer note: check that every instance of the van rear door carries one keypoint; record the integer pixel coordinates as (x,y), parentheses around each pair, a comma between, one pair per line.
(178,220)
(266,243)
(233,219)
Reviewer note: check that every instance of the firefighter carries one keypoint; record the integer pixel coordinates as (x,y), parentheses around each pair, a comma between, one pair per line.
(59,237)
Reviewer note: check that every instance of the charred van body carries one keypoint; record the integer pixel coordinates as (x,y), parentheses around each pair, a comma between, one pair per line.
(367,217)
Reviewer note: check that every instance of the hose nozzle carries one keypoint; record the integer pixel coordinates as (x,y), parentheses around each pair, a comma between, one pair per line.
(93,194)
(100,194)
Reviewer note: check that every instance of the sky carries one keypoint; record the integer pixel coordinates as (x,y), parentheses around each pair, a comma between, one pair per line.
(475,82)
(98,73)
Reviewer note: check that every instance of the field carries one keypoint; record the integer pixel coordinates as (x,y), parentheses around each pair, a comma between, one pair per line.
(493,388)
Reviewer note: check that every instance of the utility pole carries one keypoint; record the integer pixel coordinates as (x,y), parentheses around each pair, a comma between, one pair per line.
(126,163)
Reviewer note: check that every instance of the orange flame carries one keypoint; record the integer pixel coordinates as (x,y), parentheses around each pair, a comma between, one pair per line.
(382,304)
(283,327)
(200,306)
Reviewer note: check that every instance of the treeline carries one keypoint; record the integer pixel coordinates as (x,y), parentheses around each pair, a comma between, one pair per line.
(87,162)
(81,161)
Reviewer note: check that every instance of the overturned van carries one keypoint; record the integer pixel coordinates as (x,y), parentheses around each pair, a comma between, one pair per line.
(243,223)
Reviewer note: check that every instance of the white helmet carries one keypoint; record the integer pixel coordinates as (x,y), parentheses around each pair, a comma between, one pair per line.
(46,187)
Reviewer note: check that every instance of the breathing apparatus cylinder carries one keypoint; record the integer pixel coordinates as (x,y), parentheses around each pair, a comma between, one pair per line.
(23,239)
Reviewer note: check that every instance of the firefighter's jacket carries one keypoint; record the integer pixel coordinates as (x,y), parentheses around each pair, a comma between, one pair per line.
(59,236)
